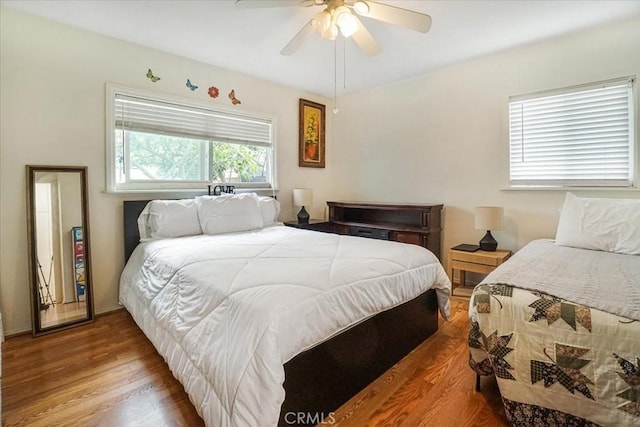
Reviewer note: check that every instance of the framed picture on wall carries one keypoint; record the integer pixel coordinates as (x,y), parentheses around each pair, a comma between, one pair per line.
(311,150)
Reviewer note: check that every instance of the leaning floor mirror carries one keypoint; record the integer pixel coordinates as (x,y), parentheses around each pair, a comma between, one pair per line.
(59,249)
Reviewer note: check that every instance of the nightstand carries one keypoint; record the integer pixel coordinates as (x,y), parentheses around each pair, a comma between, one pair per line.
(476,262)
(314,225)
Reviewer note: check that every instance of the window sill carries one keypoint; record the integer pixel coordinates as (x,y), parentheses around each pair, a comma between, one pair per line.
(542,188)
(190,192)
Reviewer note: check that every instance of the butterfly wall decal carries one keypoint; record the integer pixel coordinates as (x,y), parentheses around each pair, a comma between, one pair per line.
(232,97)
(151,77)
(191,85)
(213,92)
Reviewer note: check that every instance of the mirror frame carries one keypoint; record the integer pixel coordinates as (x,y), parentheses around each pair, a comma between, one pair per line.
(32,247)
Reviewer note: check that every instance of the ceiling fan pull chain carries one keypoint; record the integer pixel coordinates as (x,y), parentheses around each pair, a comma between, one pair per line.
(335,77)
(344,63)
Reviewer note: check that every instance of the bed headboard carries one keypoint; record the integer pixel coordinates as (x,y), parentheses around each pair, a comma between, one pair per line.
(131,210)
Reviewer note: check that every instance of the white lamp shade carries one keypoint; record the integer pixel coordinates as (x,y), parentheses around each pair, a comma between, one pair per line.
(302,197)
(489,217)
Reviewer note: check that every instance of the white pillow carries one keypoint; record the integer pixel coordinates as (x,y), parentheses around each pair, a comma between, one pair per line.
(270,209)
(171,218)
(227,214)
(611,225)
(143,223)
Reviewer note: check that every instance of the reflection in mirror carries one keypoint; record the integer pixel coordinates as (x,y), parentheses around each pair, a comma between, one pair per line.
(59,261)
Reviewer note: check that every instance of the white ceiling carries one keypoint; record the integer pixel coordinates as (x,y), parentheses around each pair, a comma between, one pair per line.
(216,32)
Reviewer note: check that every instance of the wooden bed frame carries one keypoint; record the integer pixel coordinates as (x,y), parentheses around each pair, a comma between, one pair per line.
(321,379)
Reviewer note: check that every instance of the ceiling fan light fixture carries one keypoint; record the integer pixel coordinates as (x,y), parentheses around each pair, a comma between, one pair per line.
(361,7)
(322,21)
(340,13)
(330,33)
(348,25)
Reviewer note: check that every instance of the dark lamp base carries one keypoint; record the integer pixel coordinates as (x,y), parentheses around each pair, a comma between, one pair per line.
(488,243)
(303,216)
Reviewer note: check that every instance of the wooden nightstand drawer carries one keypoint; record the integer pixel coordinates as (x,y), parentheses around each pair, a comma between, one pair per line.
(480,257)
(472,267)
(483,262)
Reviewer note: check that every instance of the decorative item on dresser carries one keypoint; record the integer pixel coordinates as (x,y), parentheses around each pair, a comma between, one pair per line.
(489,218)
(419,224)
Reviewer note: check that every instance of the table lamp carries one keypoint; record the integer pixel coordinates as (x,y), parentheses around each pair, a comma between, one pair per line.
(489,218)
(302,197)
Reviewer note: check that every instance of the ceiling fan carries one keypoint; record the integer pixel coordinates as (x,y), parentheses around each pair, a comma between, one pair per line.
(337,17)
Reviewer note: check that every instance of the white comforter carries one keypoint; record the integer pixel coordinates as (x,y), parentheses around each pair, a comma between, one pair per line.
(228,311)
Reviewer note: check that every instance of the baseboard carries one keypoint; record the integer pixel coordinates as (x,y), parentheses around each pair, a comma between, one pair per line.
(109,309)
(16,332)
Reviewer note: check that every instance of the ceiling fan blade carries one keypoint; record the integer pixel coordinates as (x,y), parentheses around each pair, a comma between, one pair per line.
(298,40)
(397,16)
(364,40)
(259,4)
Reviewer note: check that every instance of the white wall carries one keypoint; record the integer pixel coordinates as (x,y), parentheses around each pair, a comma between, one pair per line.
(443,137)
(52,112)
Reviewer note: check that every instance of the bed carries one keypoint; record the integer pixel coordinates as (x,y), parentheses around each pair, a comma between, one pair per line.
(278,325)
(559,325)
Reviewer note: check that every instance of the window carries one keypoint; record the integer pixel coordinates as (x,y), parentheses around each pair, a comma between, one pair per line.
(167,144)
(581,136)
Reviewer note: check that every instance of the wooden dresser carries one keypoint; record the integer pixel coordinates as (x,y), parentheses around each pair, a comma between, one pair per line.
(408,223)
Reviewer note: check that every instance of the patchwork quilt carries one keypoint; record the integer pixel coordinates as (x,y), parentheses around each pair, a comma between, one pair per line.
(558,361)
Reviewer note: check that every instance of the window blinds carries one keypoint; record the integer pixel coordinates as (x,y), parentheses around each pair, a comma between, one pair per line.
(159,117)
(579,137)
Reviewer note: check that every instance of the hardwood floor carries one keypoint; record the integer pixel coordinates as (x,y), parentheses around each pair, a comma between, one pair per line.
(102,374)
(109,374)
(433,385)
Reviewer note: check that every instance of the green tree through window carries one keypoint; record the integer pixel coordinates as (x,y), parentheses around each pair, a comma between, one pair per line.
(168,158)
